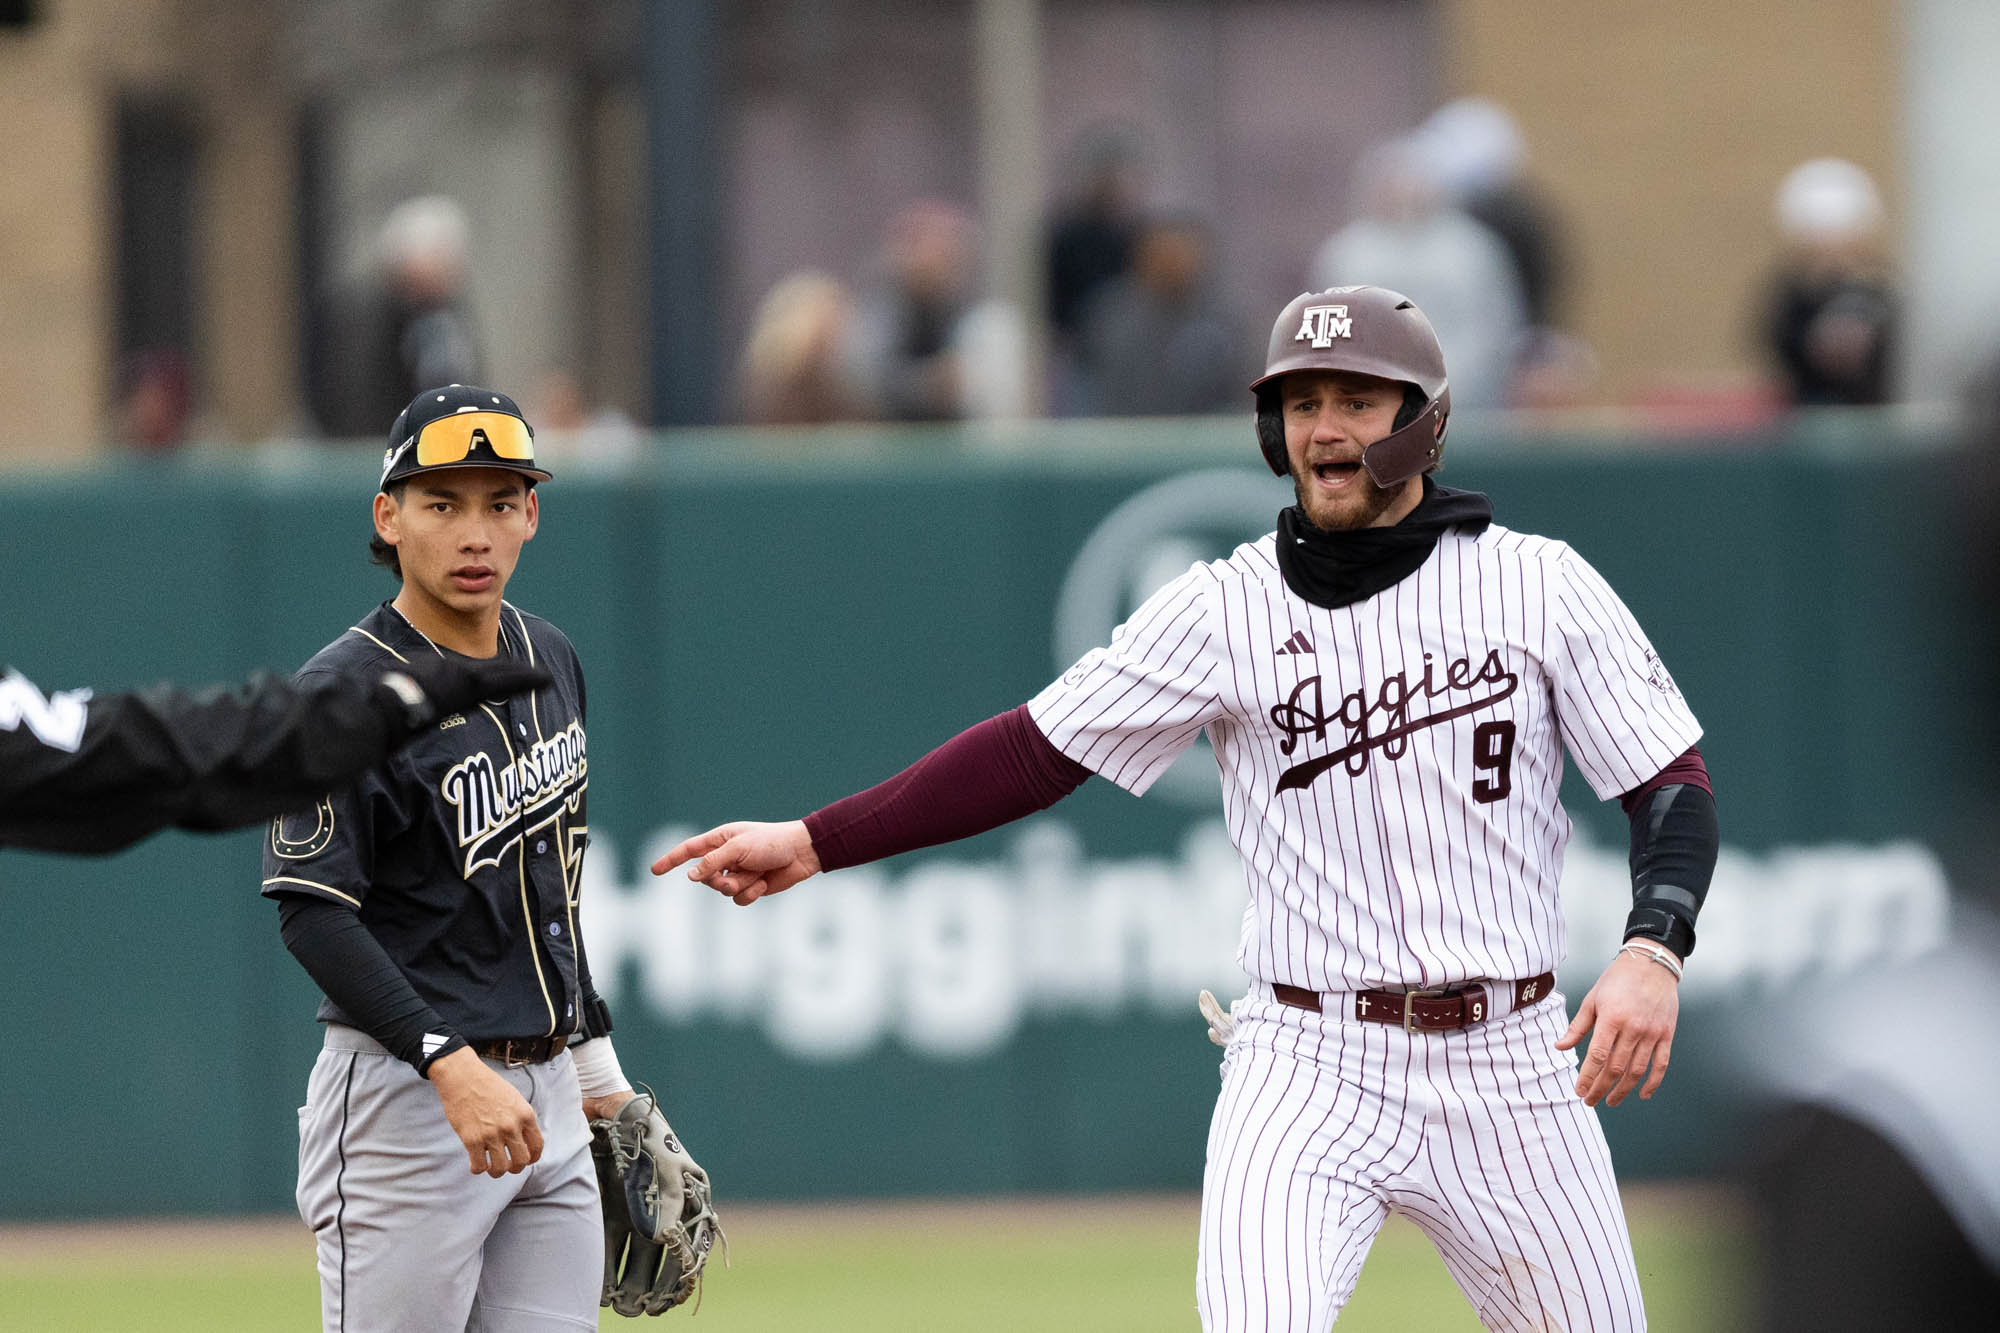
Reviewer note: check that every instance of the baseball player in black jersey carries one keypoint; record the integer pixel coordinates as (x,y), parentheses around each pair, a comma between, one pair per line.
(434,900)
(90,773)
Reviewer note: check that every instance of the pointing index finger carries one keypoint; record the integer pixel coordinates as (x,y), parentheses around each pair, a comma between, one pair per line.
(690,848)
(673,858)
(717,860)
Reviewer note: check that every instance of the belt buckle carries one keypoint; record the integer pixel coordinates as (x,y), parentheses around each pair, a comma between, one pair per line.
(1410,998)
(511,1060)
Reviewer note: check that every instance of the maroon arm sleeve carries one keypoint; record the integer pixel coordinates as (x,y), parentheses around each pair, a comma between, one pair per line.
(985,776)
(1688,768)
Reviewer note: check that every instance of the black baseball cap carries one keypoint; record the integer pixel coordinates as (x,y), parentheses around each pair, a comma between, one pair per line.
(460,425)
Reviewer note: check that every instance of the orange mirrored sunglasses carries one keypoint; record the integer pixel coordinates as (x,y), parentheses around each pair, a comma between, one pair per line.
(452,439)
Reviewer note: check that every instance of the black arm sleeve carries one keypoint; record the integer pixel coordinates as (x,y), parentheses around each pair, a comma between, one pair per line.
(596,1013)
(361,979)
(211,760)
(1674,844)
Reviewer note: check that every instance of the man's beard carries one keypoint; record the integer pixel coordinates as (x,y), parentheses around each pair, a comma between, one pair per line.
(1375,503)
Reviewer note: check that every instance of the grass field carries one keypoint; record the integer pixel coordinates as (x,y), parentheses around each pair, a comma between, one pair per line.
(1102,1265)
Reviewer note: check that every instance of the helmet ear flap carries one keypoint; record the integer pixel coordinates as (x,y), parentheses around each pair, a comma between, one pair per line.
(1410,450)
(1414,402)
(1271,430)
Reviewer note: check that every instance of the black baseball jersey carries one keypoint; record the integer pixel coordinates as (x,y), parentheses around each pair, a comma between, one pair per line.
(461,853)
(84,773)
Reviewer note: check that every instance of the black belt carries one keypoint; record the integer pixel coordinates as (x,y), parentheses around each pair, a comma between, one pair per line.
(520,1050)
(1423,1010)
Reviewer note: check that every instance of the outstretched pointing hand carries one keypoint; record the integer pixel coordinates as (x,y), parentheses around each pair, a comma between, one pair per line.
(746,861)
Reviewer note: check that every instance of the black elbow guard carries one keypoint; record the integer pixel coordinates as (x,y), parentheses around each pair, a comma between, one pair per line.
(1674,845)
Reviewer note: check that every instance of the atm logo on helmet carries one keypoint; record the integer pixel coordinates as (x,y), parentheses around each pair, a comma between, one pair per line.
(1323,323)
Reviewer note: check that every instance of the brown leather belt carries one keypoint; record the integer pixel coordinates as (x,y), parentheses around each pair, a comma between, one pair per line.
(521,1050)
(1422,1010)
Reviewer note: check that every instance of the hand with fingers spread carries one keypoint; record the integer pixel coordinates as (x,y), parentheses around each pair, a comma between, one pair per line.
(1630,1015)
(745,861)
(489,1115)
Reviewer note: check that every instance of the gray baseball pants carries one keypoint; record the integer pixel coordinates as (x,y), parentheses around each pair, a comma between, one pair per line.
(410,1241)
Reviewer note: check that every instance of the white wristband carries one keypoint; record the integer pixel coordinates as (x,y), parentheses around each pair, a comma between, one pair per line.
(597,1071)
(1647,949)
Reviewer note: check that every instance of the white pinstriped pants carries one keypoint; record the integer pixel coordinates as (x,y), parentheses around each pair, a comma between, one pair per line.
(1324,1125)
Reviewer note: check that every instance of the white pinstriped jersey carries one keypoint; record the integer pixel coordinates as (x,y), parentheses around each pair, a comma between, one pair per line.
(1390,768)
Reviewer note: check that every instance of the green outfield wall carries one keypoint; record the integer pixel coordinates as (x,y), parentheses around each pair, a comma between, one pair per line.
(770,621)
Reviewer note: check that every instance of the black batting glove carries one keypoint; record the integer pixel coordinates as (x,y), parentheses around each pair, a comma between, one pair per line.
(421,691)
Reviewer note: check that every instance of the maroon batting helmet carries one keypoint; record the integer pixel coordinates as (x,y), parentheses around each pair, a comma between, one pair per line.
(1369,331)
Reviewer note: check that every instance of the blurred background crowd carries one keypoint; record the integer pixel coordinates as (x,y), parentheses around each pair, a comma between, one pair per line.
(233,222)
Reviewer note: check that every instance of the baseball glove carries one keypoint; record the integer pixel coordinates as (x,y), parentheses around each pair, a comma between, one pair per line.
(659,1220)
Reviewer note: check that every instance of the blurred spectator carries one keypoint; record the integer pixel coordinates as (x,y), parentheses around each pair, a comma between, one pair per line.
(1090,242)
(574,434)
(1408,237)
(155,400)
(1481,164)
(1831,320)
(794,369)
(1480,157)
(405,328)
(1154,342)
(991,343)
(905,325)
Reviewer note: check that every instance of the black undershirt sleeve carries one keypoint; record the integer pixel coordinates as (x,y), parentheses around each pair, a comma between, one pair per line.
(205,760)
(596,1013)
(1675,840)
(363,982)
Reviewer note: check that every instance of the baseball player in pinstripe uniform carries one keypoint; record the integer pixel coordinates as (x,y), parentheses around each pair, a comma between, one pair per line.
(1389,682)
(434,901)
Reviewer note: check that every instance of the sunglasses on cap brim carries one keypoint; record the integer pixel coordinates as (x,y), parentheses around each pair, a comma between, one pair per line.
(452,439)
